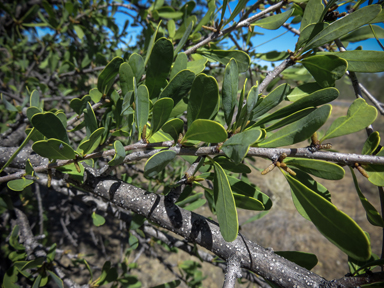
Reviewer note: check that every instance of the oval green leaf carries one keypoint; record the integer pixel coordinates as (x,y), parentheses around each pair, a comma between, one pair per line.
(225,205)
(107,76)
(203,98)
(229,90)
(88,146)
(363,33)
(312,13)
(318,168)
(373,216)
(371,144)
(142,108)
(119,156)
(98,220)
(303,90)
(158,162)
(343,26)
(159,66)
(224,56)
(236,147)
(19,184)
(173,127)
(179,86)
(90,120)
(334,224)
(126,78)
(161,111)
(270,101)
(50,126)
(137,65)
(207,131)
(248,203)
(180,64)
(78,105)
(326,69)
(300,130)
(273,22)
(315,99)
(54,149)
(359,116)
(361,60)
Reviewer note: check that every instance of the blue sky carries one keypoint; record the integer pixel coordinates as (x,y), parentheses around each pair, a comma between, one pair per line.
(286,41)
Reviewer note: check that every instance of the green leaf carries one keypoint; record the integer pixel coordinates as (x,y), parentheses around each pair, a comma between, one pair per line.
(171,28)
(240,187)
(229,91)
(300,130)
(79,31)
(179,86)
(361,60)
(315,99)
(88,146)
(19,184)
(237,146)
(136,63)
(290,119)
(50,126)
(34,99)
(29,168)
(159,66)
(95,95)
(156,163)
(303,90)
(270,101)
(373,216)
(98,220)
(312,13)
(150,45)
(309,33)
(376,172)
(343,26)
(170,15)
(119,156)
(359,116)
(363,33)
(78,105)
(228,165)
(37,281)
(90,120)
(273,22)
(56,279)
(184,39)
(71,170)
(334,224)
(248,203)
(224,56)
(173,127)
(203,98)
(180,64)
(161,111)
(326,69)
(126,78)
(272,56)
(379,18)
(303,259)
(371,144)
(225,205)
(31,111)
(318,168)
(207,131)
(8,106)
(142,108)
(197,65)
(240,6)
(54,149)
(108,75)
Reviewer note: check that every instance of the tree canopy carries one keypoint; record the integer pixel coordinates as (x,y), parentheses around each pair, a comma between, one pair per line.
(150,121)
